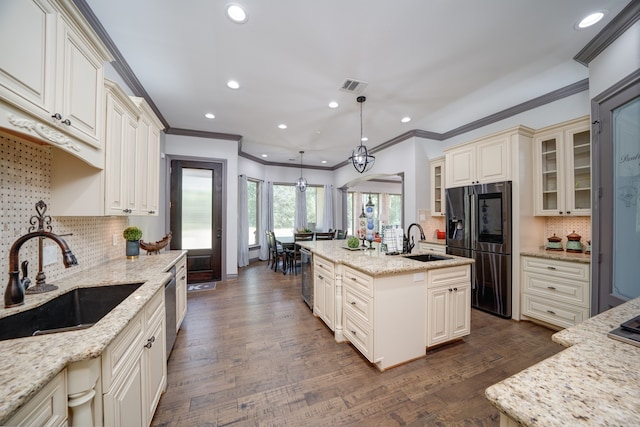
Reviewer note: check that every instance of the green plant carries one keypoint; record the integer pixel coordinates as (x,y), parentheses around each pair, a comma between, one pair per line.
(305,230)
(132,233)
(353,242)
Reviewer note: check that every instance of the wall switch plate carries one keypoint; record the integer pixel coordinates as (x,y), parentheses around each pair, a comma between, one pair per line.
(49,255)
(114,240)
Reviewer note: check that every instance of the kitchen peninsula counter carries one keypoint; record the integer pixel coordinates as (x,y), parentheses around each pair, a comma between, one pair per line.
(593,382)
(28,364)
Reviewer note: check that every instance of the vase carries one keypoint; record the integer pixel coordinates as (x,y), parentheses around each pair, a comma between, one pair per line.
(133,249)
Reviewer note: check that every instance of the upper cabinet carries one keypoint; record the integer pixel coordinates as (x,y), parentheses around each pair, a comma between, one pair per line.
(437,187)
(148,158)
(51,76)
(479,162)
(562,157)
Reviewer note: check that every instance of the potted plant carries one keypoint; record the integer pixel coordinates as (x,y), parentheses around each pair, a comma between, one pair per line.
(132,235)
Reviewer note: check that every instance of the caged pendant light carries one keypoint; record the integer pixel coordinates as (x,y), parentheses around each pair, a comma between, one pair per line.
(360,157)
(301,184)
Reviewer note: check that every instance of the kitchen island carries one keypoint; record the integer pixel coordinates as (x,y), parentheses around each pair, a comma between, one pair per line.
(593,382)
(390,307)
(29,364)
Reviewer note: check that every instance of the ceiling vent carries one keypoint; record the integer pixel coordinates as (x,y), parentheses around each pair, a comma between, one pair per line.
(353,86)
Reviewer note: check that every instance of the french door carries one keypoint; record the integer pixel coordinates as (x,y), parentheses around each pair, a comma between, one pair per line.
(196,217)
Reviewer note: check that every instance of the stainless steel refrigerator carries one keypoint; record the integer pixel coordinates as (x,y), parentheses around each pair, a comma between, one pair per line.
(478,220)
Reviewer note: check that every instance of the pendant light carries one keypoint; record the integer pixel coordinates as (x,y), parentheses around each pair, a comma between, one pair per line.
(360,157)
(301,184)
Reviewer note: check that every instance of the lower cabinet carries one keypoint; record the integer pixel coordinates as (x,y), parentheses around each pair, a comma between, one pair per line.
(181,291)
(134,368)
(448,304)
(48,407)
(324,289)
(433,247)
(555,292)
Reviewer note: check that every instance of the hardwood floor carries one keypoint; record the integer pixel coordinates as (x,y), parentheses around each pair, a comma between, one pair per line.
(250,353)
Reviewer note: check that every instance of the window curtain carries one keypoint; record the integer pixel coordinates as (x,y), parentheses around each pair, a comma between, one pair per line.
(301,210)
(243,222)
(266,218)
(327,224)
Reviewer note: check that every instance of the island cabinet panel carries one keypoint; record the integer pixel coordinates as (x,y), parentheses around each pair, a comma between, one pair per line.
(181,291)
(47,408)
(324,286)
(448,304)
(433,247)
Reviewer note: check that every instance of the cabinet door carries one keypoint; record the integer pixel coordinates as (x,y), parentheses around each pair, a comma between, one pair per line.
(437,188)
(460,311)
(329,302)
(28,52)
(493,160)
(438,315)
(181,292)
(124,404)
(578,170)
(318,294)
(549,184)
(79,94)
(460,166)
(48,407)
(154,367)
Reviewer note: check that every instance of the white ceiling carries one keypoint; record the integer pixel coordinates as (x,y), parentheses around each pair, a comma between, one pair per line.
(444,63)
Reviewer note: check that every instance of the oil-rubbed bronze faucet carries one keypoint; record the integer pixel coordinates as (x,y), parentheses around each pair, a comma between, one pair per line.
(406,246)
(14,292)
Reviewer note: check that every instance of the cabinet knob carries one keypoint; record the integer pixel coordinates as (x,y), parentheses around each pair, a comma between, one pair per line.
(450,290)
(56,116)
(551,312)
(320,277)
(560,212)
(150,342)
(353,303)
(568,212)
(455,289)
(152,212)
(66,122)
(553,288)
(549,267)
(353,332)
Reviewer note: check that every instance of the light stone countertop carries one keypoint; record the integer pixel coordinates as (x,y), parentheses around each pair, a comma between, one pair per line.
(28,364)
(376,263)
(558,255)
(593,382)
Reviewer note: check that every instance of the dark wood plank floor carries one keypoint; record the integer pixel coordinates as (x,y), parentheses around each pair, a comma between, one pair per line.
(250,353)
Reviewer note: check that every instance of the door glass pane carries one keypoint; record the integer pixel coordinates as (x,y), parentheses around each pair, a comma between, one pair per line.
(549,175)
(626,207)
(490,218)
(197,208)
(582,170)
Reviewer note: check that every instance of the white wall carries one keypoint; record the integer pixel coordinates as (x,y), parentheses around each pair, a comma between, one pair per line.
(207,149)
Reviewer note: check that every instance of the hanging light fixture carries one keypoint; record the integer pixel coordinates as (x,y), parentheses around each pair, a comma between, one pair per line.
(302,183)
(360,157)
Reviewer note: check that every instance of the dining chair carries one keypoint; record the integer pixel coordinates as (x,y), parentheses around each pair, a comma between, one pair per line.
(277,253)
(324,236)
(293,255)
(341,234)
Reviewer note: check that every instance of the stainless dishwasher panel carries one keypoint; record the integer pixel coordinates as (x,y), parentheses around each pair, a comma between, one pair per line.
(170,309)
(306,270)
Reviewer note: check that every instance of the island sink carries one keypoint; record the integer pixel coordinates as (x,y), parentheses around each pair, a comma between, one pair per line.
(427,257)
(77,309)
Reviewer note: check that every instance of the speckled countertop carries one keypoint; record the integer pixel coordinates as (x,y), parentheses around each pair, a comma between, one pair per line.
(593,382)
(28,364)
(376,263)
(558,255)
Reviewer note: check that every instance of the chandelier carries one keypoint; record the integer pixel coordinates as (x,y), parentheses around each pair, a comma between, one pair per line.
(360,157)
(301,184)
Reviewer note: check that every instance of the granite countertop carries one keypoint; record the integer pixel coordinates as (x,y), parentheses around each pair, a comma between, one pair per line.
(376,263)
(593,382)
(28,364)
(558,255)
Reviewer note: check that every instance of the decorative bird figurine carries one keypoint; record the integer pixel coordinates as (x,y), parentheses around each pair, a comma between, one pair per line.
(154,248)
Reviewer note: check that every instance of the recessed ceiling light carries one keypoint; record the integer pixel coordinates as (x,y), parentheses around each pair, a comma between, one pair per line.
(232,84)
(236,13)
(210,116)
(591,19)
(282,126)
(406,119)
(265,155)
(364,139)
(333,104)
(323,162)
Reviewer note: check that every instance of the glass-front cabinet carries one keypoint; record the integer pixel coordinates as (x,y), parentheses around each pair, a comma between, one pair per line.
(562,154)
(437,187)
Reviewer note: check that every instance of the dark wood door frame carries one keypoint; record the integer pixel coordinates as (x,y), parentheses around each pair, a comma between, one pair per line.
(197,258)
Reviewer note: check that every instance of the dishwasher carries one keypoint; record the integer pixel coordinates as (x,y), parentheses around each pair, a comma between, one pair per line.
(170,309)
(306,270)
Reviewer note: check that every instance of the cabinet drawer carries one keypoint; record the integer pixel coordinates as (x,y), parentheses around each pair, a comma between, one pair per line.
(48,407)
(442,249)
(563,269)
(358,305)
(446,276)
(122,351)
(555,289)
(358,335)
(564,315)
(359,281)
(323,264)
(155,307)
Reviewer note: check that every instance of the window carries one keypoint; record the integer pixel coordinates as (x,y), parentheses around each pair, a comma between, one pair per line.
(387,209)
(315,208)
(284,209)
(253,205)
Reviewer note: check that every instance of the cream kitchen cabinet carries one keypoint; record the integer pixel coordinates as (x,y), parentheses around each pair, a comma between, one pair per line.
(437,187)
(181,291)
(448,304)
(555,292)
(48,407)
(562,156)
(479,162)
(324,289)
(147,159)
(433,247)
(51,72)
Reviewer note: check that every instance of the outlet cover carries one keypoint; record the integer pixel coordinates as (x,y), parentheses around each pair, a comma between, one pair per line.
(49,255)
(115,239)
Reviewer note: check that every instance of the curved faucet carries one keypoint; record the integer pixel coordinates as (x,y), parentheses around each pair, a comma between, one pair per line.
(14,292)
(406,246)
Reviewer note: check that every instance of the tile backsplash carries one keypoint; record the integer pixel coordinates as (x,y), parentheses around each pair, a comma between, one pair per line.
(25,177)
(563,226)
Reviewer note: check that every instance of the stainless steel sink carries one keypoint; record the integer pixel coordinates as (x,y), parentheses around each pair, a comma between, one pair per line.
(427,257)
(80,308)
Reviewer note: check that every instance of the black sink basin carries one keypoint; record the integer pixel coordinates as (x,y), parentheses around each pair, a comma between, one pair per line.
(76,309)
(427,257)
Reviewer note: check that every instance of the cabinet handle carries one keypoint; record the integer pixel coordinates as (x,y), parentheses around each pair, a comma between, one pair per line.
(320,277)
(353,303)
(150,342)
(56,116)
(455,289)
(550,267)
(66,122)
(152,212)
(354,279)
(553,288)
(560,212)
(450,290)
(182,278)
(353,332)
(551,312)
(568,212)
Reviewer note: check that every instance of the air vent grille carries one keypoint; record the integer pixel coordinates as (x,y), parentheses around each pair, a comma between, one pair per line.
(353,86)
